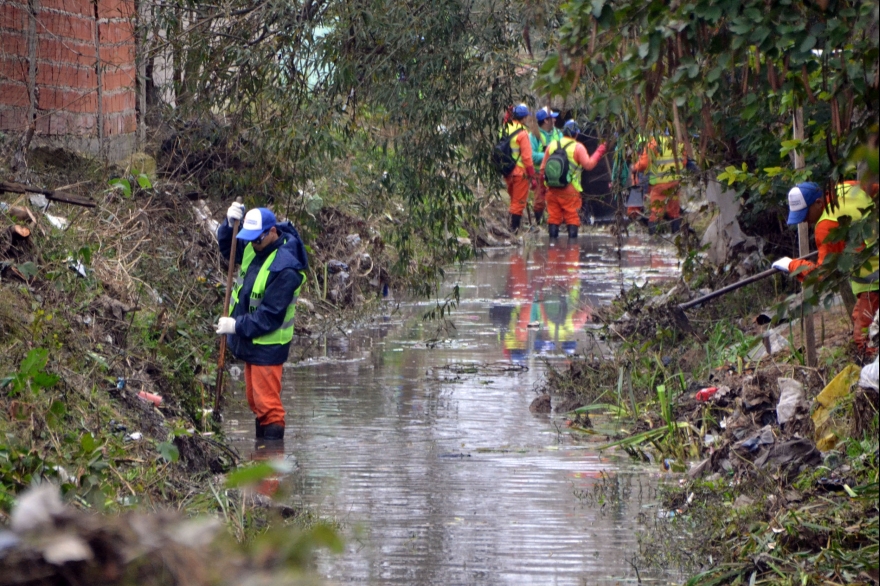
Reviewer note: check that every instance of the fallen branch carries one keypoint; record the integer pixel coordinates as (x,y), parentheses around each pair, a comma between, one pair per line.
(52,195)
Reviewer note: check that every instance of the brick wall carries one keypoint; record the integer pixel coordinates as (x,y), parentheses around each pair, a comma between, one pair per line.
(67,67)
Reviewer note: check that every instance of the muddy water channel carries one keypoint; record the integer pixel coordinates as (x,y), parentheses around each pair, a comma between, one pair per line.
(420,443)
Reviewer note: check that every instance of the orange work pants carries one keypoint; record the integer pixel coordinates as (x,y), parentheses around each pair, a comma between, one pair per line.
(263,390)
(862,316)
(663,198)
(518,188)
(540,196)
(563,205)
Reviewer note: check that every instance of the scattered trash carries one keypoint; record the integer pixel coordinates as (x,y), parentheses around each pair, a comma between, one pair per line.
(39,201)
(869,377)
(134,437)
(791,393)
(753,443)
(353,240)
(840,386)
(704,394)
(337,266)
(150,398)
(78,266)
(57,221)
(234,372)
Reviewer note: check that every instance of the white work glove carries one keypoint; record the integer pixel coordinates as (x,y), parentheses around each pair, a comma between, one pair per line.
(226,325)
(235,212)
(782,264)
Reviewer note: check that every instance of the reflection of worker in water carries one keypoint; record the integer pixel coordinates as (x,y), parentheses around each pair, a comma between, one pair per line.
(515,334)
(548,298)
(561,314)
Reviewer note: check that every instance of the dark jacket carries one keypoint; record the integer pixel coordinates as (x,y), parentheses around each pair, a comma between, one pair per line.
(283,281)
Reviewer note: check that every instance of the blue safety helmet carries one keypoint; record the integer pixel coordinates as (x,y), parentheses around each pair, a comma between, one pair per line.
(521,111)
(571,128)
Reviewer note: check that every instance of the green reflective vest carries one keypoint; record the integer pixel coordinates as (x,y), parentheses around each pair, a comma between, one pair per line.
(574,170)
(284,334)
(851,199)
(663,168)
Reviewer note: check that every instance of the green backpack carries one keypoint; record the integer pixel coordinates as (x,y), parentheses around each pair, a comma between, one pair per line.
(556,170)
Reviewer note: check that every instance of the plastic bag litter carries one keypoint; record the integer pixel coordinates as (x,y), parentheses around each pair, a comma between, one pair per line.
(868,377)
(791,393)
(839,388)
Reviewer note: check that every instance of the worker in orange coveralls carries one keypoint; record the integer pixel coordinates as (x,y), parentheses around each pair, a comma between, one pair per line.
(523,175)
(807,203)
(660,161)
(564,203)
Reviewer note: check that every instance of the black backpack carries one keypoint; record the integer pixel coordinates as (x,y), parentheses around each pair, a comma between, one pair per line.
(502,154)
(556,170)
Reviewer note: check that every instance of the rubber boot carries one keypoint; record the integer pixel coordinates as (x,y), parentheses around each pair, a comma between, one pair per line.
(553,230)
(259,430)
(515,221)
(572,231)
(273,431)
(676,225)
(539,216)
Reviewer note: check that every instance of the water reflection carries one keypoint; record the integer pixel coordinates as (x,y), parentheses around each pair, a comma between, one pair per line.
(451,480)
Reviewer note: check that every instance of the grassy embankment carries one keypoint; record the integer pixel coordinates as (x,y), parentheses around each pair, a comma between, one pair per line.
(778,512)
(129,290)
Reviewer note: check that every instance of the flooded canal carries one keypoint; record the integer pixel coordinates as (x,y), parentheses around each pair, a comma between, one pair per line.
(436,470)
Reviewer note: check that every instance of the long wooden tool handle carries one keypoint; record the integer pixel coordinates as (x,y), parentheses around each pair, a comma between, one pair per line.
(738,284)
(230,274)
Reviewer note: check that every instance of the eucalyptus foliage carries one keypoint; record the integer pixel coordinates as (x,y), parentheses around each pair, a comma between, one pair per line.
(407,93)
(726,77)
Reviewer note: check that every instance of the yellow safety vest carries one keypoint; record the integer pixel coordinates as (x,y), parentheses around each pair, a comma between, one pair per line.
(663,168)
(514,146)
(284,334)
(851,199)
(569,144)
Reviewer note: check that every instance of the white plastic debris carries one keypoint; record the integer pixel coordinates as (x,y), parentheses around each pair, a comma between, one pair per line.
(868,378)
(791,393)
(57,221)
(78,266)
(134,437)
(36,507)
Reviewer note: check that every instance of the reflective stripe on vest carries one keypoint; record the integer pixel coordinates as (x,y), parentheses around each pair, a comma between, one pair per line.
(283,334)
(663,168)
(514,146)
(851,200)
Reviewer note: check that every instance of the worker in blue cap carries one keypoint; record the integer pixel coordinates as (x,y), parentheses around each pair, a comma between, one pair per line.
(808,203)
(263,303)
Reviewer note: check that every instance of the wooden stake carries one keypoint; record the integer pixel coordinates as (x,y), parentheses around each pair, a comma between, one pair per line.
(804,243)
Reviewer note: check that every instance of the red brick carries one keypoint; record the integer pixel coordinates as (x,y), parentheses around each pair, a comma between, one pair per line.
(14,119)
(57,123)
(12,43)
(60,99)
(111,33)
(13,94)
(116,78)
(120,124)
(66,52)
(115,8)
(65,26)
(117,55)
(118,102)
(13,68)
(80,7)
(66,75)
(13,17)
